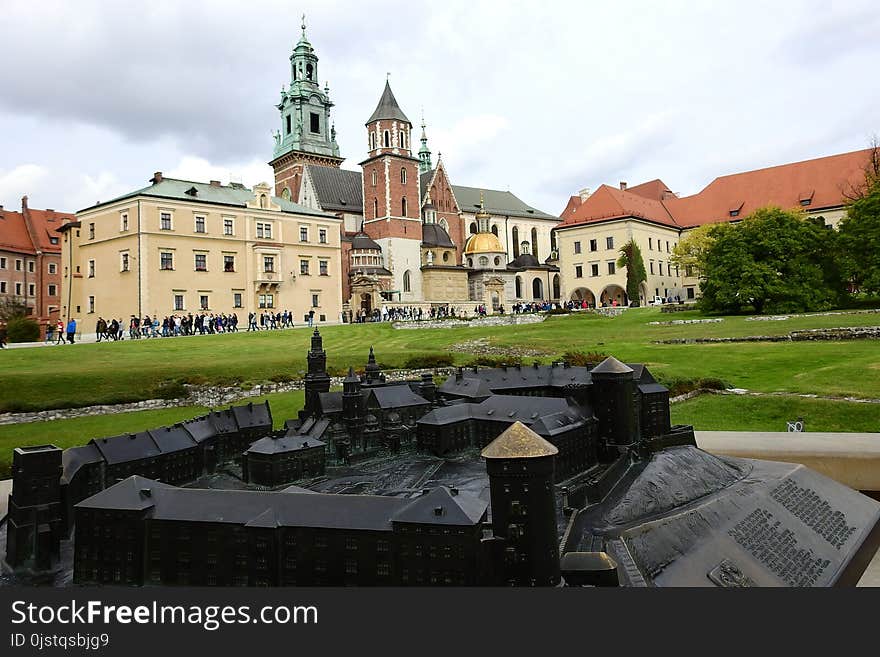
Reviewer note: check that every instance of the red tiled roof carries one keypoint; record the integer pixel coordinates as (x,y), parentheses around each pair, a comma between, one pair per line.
(13,233)
(824,181)
(573,204)
(45,223)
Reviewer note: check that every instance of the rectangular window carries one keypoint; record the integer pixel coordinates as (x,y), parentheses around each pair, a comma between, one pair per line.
(18,265)
(229,263)
(315,303)
(32,290)
(578,271)
(267,301)
(203,301)
(91,304)
(594,245)
(322,267)
(91,231)
(660,265)
(200,225)
(651,267)
(264,231)
(201,262)
(236,299)
(688,270)
(18,289)
(303,234)
(609,242)
(690,292)
(650,244)
(178,302)
(667,247)
(577,247)
(322,235)
(123,221)
(2,287)
(594,270)
(314,123)
(304,267)
(53,290)
(53,268)
(123,262)
(287,123)
(228,227)
(610,267)
(166,260)
(268,264)
(91,268)
(31,266)
(165,220)
(2,263)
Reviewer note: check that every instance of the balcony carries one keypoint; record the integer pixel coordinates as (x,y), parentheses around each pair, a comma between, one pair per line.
(269,278)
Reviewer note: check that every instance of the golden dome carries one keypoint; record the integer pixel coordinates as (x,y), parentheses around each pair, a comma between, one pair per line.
(483,243)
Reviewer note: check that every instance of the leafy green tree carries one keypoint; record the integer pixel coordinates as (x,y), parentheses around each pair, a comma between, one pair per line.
(774,261)
(631,258)
(691,250)
(22,329)
(859,242)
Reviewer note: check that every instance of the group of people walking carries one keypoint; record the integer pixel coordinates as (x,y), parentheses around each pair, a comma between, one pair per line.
(173,325)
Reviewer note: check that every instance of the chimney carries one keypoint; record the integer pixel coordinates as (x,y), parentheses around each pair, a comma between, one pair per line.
(585,194)
(157,178)
(623,185)
(215,183)
(453,492)
(24,203)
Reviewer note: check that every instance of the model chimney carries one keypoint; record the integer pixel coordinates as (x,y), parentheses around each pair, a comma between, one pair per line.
(157,178)
(623,185)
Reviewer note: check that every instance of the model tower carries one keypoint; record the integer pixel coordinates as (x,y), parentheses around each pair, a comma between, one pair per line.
(317,379)
(614,394)
(520,467)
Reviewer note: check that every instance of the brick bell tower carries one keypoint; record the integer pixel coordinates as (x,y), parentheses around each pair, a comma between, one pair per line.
(307,136)
(392,199)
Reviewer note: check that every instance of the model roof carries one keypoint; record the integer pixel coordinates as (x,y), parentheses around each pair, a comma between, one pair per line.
(396,396)
(287,443)
(611,366)
(518,442)
(443,506)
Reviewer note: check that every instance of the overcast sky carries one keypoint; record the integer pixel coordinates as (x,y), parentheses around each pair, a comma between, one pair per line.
(542,98)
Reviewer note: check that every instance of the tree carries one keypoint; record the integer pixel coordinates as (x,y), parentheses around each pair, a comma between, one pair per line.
(691,250)
(631,258)
(871,169)
(774,260)
(11,308)
(859,241)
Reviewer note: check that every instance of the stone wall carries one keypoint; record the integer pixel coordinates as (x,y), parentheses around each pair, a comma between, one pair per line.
(840,333)
(491,320)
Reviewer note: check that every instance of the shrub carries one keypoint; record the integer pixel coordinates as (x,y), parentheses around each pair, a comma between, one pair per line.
(168,390)
(281,377)
(684,386)
(428,361)
(494,361)
(581,359)
(22,329)
(557,311)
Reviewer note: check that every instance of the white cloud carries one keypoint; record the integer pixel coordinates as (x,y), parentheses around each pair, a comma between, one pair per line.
(199,169)
(21,181)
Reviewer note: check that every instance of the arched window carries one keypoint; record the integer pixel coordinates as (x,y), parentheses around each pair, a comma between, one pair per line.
(402,175)
(514,233)
(285,194)
(263,201)
(556,286)
(373,178)
(537,289)
(495,230)
(524,247)
(444,224)
(372,141)
(518,287)
(403,207)
(387,139)
(407,283)
(375,208)
(471,263)
(309,71)
(403,138)
(473,228)
(535,242)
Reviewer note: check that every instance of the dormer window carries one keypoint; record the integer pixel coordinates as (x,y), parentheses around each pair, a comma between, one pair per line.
(735,208)
(734,213)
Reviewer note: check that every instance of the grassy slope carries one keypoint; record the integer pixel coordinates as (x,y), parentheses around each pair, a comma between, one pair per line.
(110,373)
(745,413)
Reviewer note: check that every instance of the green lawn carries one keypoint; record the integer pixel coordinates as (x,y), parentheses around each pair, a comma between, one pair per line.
(746,413)
(56,377)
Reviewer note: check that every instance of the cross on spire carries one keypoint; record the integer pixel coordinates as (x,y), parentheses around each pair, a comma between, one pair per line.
(303,24)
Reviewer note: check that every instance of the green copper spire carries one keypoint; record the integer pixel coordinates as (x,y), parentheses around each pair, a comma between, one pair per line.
(305,107)
(424,151)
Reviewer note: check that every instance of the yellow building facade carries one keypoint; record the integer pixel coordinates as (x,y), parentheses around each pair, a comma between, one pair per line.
(181,247)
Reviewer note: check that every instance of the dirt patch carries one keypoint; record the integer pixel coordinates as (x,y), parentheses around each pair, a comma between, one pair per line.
(484,347)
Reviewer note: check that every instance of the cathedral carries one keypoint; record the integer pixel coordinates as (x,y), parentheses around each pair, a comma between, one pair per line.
(409,236)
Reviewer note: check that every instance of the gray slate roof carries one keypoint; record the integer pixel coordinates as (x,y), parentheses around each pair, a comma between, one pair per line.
(497,203)
(238,196)
(284,444)
(388,109)
(435,235)
(442,507)
(339,190)
(398,396)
